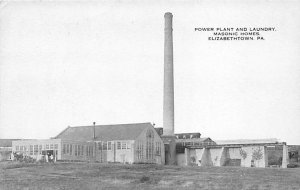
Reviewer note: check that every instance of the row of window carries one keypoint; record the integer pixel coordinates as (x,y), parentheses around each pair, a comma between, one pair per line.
(89,150)
(140,150)
(67,149)
(78,150)
(149,145)
(109,145)
(36,149)
(158,148)
(149,150)
(197,143)
(46,147)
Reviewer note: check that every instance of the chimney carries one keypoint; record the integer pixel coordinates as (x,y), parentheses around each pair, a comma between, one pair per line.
(94,130)
(168,105)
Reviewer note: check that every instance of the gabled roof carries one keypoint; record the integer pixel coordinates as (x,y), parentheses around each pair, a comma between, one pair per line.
(205,139)
(104,132)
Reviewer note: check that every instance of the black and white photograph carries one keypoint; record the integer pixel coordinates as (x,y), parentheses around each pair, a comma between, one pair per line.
(150,95)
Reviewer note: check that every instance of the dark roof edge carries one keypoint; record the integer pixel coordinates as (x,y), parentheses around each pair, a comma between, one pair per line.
(108,125)
(61,132)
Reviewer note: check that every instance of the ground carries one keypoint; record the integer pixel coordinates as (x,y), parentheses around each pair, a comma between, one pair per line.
(117,176)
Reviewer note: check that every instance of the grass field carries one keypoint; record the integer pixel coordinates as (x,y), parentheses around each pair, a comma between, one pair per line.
(117,176)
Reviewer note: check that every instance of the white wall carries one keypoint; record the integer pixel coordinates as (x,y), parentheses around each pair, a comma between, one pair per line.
(123,155)
(43,142)
(181,159)
(234,153)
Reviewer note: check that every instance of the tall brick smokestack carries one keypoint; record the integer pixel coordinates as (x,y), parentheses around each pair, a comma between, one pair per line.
(168,107)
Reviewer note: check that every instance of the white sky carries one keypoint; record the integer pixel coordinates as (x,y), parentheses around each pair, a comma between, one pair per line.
(74,63)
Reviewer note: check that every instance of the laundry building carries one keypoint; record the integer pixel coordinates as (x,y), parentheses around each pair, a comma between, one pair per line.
(124,143)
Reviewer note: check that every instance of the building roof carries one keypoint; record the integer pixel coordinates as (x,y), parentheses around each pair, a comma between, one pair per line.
(187,135)
(203,139)
(7,142)
(104,132)
(247,141)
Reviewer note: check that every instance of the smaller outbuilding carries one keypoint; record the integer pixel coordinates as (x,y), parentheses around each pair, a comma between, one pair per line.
(6,149)
(245,153)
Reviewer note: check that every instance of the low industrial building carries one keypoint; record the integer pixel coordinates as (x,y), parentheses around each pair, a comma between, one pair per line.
(125,143)
(140,143)
(245,153)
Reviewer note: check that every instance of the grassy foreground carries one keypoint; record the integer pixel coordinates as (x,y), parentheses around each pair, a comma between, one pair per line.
(117,176)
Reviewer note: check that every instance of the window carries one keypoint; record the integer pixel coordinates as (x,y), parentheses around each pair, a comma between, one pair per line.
(64,149)
(68,148)
(51,147)
(90,150)
(124,145)
(36,150)
(99,145)
(31,149)
(21,148)
(149,144)
(40,149)
(104,145)
(75,150)
(17,148)
(158,148)
(82,150)
(47,146)
(140,150)
(108,145)
(71,149)
(118,145)
(56,146)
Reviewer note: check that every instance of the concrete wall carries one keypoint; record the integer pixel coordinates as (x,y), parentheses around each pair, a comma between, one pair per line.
(260,160)
(249,156)
(181,159)
(199,154)
(190,157)
(216,155)
(206,158)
